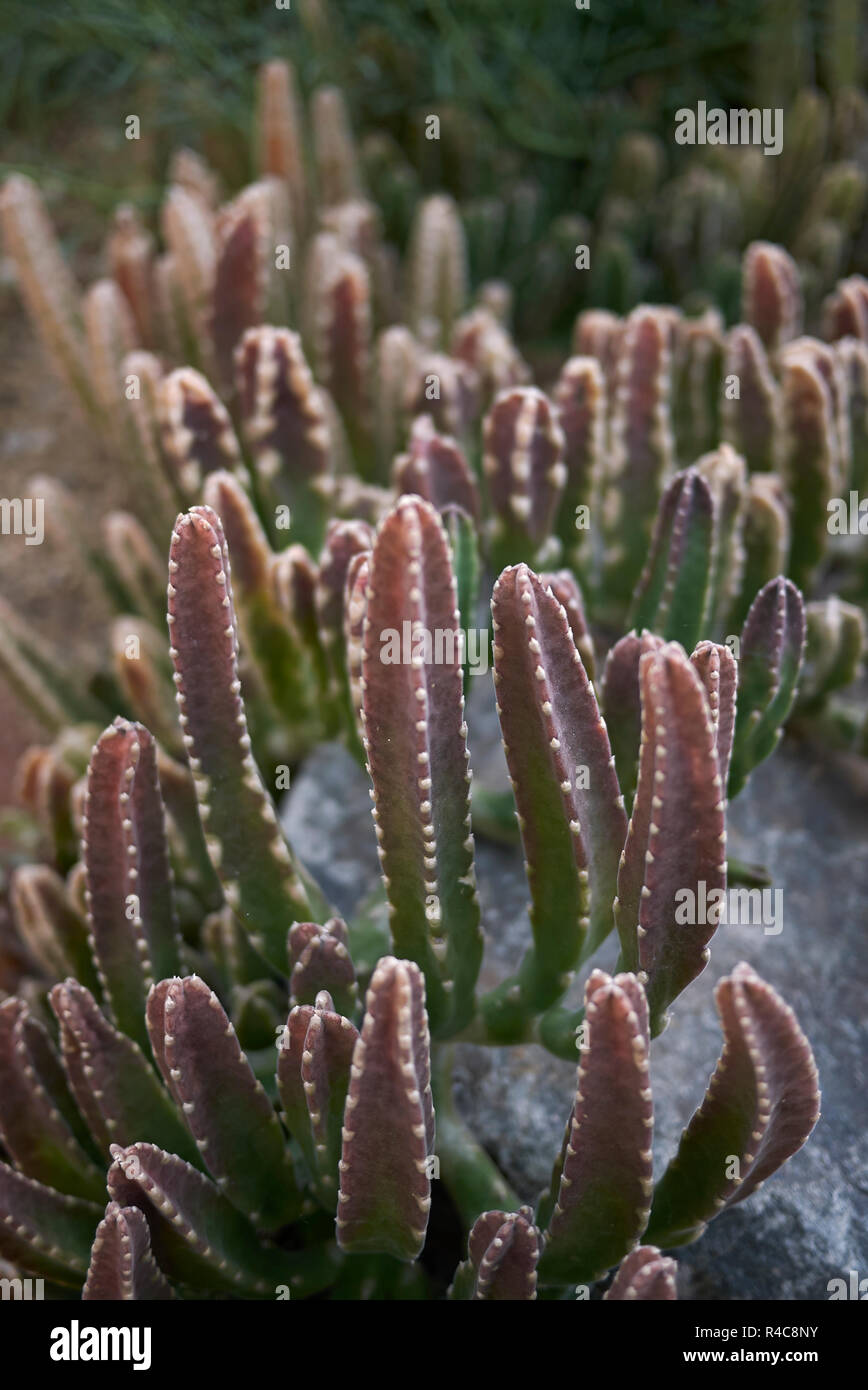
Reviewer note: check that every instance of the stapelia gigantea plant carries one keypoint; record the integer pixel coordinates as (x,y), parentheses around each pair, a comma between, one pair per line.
(175,927)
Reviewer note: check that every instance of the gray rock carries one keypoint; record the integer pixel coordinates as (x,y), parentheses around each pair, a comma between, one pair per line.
(807,824)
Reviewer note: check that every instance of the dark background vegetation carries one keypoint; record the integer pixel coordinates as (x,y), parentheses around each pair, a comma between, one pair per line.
(552,87)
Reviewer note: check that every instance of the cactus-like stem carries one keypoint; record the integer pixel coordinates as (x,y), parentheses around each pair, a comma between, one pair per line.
(829,365)
(415,742)
(129,882)
(464,548)
(718,671)
(580,398)
(597,333)
(503,1253)
(186,832)
(110,335)
(260,877)
(771,293)
(174,332)
(340,308)
(675,591)
(644,1275)
(294,577)
(247,280)
(274,649)
(766,540)
(143,674)
(436,468)
(835,643)
(697,394)
(46,918)
(724,471)
(319,959)
(337,172)
(498,298)
(36,1109)
(355,608)
(44,782)
(225,1107)
(388,1134)
(122,1266)
(525,472)
(853,357)
(344,541)
(762,1103)
(570,809)
(602,1191)
(130,254)
(622,704)
(189,170)
(845,312)
(115,1087)
(358,227)
(438,260)
(47,284)
(196,431)
(641,446)
(808,458)
(188,231)
(254,1010)
(142,373)
(448,390)
(481,340)
(280,133)
(313,1078)
(751,408)
(772,650)
(46,1232)
(230,948)
(286,429)
(565,588)
(677,837)
(199,1238)
(396,357)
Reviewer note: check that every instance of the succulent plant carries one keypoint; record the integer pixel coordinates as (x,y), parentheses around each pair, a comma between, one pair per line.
(261,1171)
(335,529)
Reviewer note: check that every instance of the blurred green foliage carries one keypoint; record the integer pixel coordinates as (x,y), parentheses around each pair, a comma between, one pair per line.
(554,85)
(556,126)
